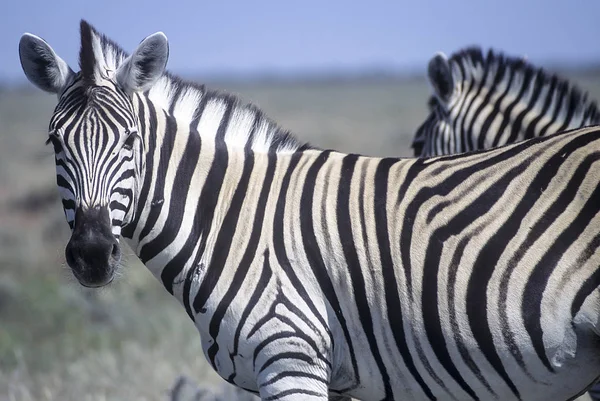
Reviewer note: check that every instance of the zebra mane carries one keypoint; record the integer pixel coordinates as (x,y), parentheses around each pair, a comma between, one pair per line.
(99,58)
(473,65)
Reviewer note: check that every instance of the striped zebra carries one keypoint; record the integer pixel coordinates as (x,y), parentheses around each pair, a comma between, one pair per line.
(312,274)
(481,102)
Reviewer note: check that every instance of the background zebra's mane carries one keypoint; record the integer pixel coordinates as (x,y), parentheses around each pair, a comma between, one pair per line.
(473,65)
(99,58)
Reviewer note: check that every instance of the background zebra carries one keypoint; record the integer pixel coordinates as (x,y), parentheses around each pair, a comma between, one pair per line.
(483,101)
(313,273)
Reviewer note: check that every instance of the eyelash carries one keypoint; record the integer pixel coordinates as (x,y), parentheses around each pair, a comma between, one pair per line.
(52,139)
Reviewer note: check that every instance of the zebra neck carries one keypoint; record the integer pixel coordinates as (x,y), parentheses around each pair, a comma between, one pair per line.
(187,188)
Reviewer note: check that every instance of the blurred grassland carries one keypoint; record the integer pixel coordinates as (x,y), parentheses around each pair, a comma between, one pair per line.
(130,341)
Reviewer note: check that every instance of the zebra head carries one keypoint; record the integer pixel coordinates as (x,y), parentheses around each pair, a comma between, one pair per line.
(97,138)
(437,127)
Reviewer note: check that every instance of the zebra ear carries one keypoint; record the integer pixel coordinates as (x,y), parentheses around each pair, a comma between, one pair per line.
(146,65)
(440,77)
(41,65)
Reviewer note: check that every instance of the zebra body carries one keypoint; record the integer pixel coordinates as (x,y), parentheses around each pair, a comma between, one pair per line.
(313,274)
(481,102)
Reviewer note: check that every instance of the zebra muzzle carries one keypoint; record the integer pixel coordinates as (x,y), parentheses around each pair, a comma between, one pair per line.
(93,252)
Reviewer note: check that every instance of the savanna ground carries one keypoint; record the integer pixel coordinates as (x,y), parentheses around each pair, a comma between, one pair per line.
(131,341)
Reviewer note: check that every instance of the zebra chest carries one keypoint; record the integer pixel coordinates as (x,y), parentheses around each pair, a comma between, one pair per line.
(225,345)
(248,340)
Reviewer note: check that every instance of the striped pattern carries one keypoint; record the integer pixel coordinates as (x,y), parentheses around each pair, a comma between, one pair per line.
(495,100)
(313,274)
(93,135)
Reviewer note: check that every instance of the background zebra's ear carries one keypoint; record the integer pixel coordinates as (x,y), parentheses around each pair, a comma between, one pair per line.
(41,65)
(440,77)
(146,65)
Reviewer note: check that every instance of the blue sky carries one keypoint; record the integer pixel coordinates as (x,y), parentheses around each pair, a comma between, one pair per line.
(248,37)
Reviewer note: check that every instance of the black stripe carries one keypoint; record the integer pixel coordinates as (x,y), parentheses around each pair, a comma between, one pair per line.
(478,110)
(508,121)
(529,130)
(280,335)
(536,231)
(251,248)
(286,374)
(592,283)
(289,392)
(466,139)
(164,156)
(149,250)
(306,359)
(313,253)
(392,297)
(150,147)
(179,193)
(263,281)
(498,110)
(207,206)
(279,245)
(175,98)
(298,332)
(463,111)
(517,124)
(430,287)
(358,281)
(480,276)
(538,280)
(544,110)
(195,231)
(451,285)
(222,250)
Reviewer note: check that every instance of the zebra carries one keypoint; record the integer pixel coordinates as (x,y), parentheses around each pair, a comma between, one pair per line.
(483,101)
(315,274)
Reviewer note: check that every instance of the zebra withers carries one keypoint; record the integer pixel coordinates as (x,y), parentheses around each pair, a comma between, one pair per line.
(313,274)
(483,101)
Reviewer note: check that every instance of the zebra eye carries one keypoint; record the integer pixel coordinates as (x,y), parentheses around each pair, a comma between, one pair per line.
(53,139)
(130,140)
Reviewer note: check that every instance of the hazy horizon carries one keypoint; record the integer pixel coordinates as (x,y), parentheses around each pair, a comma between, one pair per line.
(312,38)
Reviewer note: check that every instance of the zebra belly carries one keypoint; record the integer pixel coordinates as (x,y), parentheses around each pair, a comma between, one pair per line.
(567,382)
(571,346)
(577,371)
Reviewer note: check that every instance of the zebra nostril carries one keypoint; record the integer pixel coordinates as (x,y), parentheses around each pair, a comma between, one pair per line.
(115,252)
(70,256)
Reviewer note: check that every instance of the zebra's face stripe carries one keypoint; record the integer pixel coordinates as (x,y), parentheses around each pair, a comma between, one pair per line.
(98,152)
